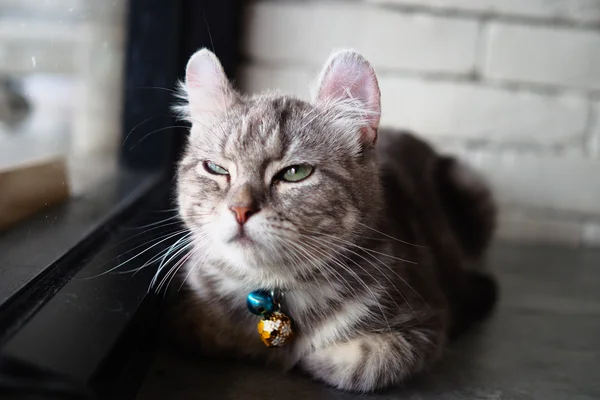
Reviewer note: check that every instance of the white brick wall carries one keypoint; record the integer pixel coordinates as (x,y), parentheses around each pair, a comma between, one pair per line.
(294,81)
(453,109)
(547,55)
(593,144)
(520,226)
(591,234)
(582,11)
(404,41)
(513,86)
(472,111)
(565,184)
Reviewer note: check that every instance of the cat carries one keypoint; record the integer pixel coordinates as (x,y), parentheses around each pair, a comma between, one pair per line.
(368,233)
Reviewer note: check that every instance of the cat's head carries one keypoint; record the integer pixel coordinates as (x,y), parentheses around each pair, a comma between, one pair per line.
(272,185)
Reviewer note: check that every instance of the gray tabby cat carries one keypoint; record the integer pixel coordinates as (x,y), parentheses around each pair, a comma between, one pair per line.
(367,233)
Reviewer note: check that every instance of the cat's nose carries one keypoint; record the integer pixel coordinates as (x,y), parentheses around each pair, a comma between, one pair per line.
(242,213)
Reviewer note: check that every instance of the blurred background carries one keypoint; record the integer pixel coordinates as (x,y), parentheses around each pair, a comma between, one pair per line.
(512,86)
(61,83)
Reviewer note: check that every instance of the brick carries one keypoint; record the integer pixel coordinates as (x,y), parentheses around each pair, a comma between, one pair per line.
(293,81)
(591,234)
(553,183)
(471,111)
(453,110)
(586,11)
(593,145)
(306,33)
(518,226)
(555,56)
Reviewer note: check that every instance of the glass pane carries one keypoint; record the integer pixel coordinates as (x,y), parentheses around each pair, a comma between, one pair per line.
(61,72)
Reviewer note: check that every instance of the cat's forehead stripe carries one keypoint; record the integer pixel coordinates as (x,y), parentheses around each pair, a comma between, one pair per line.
(263,129)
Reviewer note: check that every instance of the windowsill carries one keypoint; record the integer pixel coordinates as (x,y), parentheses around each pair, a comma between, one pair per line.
(61,309)
(62,230)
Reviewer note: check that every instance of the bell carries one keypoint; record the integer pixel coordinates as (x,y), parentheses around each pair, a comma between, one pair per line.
(275,329)
(260,302)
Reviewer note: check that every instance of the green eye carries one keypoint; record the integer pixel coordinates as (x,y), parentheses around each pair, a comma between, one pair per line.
(215,169)
(296,173)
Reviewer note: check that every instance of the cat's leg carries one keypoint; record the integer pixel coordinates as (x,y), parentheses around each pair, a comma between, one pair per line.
(374,361)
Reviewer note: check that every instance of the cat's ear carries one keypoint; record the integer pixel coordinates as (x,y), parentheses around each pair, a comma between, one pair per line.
(207,88)
(349,81)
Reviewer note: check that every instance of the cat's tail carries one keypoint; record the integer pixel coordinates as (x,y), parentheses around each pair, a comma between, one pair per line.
(469,205)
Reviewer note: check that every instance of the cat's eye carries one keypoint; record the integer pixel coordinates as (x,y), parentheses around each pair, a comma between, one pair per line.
(295,173)
(214,168)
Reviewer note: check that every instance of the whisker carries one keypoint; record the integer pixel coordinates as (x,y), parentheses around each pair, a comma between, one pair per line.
(178,265)
(391,237)
(154,223)
(166,210)
(363,248)
(154,257)
(166,280)
(158,88)
(196,264)
(342,248)
(156,131)
(178,248)
(134,257)
(134,128)
(140,234)
(312,261)
(380,272)
(359,280)
(368,251)
(212,45)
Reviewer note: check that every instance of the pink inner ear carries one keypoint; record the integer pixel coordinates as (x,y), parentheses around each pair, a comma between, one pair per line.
(208,90)
(349,76)
(343,83)
(202,72)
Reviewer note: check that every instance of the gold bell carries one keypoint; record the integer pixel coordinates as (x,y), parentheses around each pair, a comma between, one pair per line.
(275,329)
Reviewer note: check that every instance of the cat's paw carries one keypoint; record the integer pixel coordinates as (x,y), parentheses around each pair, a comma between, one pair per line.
(367,363)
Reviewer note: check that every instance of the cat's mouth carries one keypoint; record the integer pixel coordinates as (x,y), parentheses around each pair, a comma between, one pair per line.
(241,238)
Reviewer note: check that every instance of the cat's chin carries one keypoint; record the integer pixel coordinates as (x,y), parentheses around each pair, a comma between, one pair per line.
(243,242)
(252,254)
(254,261)
(244,252)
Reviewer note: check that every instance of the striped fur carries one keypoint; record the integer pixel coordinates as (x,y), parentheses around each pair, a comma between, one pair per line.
(370,249)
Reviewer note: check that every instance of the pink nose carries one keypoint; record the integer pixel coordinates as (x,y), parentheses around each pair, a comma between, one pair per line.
(242,213)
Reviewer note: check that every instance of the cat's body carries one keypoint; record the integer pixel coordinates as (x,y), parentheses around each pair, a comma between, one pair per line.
(369,249)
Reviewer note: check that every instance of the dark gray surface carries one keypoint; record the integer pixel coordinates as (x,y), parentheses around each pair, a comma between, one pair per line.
(542,342)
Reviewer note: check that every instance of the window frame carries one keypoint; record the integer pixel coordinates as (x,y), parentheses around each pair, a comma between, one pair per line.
(42,292)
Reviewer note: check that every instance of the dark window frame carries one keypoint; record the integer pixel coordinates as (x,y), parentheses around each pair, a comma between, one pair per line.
(99,332)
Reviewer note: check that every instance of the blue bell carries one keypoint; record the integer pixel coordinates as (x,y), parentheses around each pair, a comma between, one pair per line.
(260,302)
